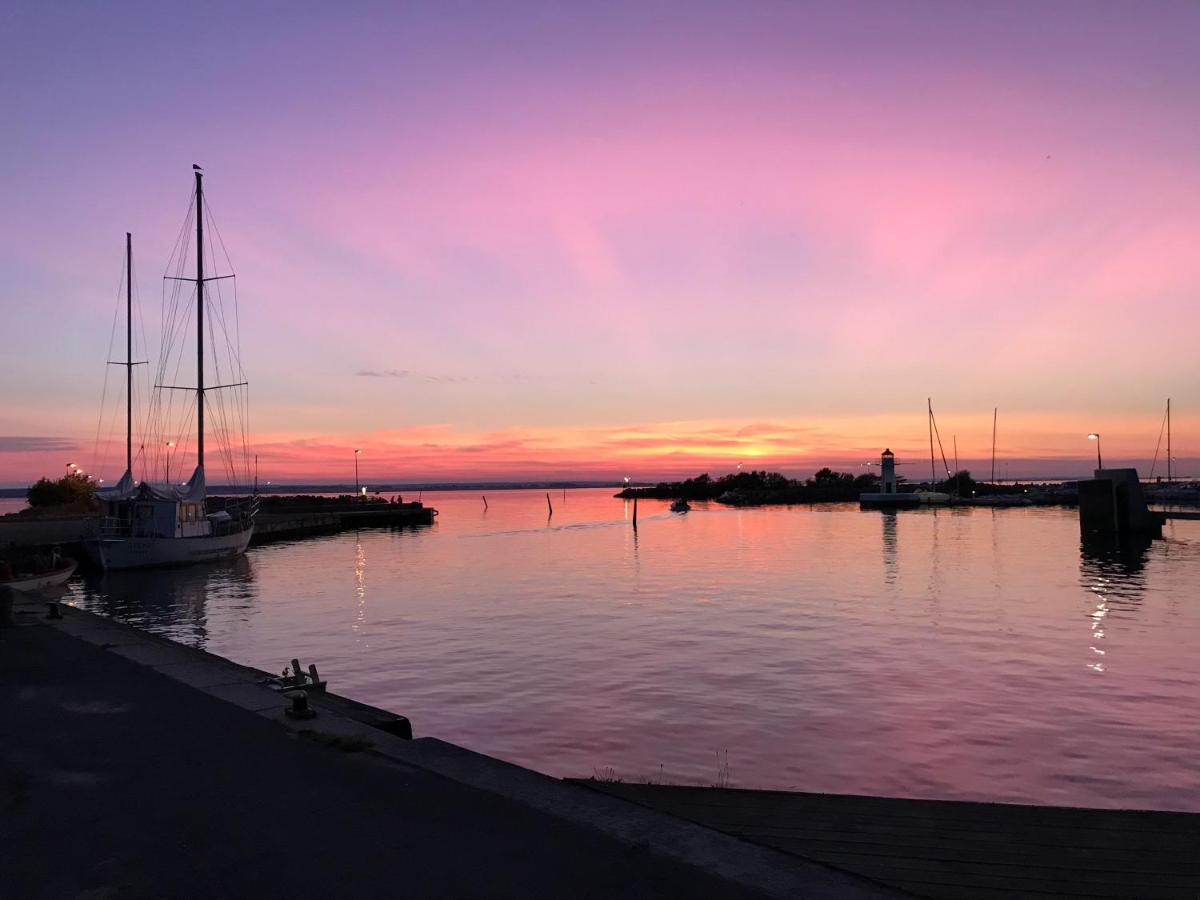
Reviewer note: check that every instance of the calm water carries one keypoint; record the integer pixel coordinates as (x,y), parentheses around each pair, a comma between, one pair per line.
(968,653)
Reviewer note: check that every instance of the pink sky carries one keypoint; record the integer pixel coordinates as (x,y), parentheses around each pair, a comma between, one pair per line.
(648,240)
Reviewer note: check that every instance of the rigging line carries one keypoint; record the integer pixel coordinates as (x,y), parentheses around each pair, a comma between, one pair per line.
(184,231)
(234,356)
(140,335)
(212,221)
(1157,446)
(233,345)
(112,336)
(176,257)
(941,450)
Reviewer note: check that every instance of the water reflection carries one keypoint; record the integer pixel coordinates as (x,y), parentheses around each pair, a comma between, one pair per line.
(1111,568)
(840,678)
(360,583)
(888,517)
(170,601)
(1119,560)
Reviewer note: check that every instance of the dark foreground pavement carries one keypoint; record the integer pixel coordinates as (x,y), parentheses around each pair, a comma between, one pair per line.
(117,780)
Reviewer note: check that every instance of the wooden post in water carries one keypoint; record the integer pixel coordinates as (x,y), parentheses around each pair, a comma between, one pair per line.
(485,504)
(549,505)
(635,512)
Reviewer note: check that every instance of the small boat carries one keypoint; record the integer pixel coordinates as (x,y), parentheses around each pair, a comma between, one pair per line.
(63,568)
(680,505)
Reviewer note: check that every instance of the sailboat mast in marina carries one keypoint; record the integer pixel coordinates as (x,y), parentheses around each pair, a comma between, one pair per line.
(144,525)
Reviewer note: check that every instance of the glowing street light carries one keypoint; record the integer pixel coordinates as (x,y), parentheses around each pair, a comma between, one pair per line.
(167,469)
(1095,436)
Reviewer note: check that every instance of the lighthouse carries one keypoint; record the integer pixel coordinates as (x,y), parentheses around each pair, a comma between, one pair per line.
(889,495)
(887,472)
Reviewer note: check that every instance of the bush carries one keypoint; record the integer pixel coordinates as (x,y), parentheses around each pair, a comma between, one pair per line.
(70,490)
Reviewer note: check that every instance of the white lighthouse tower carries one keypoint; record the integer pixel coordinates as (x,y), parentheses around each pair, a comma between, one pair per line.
(887,472)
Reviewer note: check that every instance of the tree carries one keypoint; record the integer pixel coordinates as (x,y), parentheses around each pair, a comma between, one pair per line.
(69,490)
(961,484)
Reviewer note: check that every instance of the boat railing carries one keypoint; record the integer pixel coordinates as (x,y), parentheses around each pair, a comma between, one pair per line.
(240,514)
(114,527)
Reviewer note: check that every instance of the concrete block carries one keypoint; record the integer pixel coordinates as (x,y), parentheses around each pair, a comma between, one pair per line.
(204,674)
(154,654)
(252,697)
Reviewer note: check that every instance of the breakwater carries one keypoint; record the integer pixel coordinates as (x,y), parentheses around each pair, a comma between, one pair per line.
(283,518)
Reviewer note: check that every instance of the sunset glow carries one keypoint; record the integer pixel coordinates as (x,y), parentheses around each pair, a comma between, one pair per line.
(536,243)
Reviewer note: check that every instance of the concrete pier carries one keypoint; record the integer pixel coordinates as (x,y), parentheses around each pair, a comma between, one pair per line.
(954,850)
(134,767)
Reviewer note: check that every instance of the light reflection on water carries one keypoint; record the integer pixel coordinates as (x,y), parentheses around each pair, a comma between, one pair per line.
(965,653)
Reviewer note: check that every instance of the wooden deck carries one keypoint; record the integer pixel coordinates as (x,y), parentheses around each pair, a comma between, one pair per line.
(946,849)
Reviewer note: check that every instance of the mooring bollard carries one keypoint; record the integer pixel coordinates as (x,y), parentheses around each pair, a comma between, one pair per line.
(299,708)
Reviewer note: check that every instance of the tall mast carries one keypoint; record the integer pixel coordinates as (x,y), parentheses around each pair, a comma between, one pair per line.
(995,412)
(199,320)
(932,468)
(1168,440)
(129,353)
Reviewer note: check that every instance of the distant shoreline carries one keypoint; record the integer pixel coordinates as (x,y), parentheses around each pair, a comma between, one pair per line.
(393,488)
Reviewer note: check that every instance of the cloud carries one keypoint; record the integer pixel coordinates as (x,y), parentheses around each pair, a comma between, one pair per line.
(502,378)
(26,444)
(408,373)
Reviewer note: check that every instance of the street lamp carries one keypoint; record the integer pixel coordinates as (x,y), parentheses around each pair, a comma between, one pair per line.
(356,452)
(167,468)
(1095,436)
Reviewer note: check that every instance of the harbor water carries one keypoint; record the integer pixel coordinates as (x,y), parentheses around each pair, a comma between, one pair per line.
(963,653)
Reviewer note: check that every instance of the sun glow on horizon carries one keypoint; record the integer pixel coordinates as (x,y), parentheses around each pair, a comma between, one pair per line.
(572,251)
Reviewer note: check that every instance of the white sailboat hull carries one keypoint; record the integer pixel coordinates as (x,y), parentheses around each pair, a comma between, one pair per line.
(146,552)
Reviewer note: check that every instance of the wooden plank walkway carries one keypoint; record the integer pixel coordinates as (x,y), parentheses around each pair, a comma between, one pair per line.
(949,849)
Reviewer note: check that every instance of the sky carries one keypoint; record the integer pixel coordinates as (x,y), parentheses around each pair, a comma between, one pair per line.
(491,241)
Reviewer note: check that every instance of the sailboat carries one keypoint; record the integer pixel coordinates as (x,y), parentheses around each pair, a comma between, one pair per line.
(932,497)
(145,525)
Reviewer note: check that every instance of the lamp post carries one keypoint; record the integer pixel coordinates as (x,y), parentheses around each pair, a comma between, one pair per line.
(356,452)
(1095,436)
(167,467)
